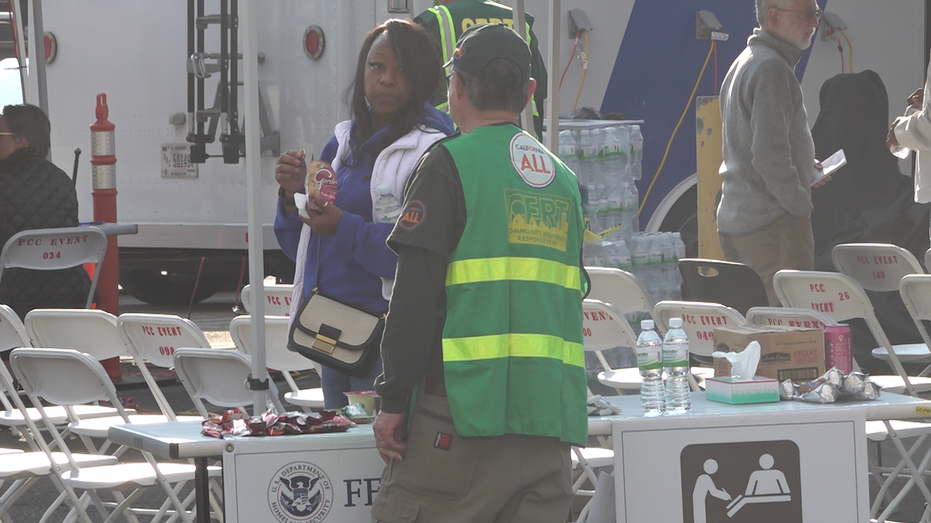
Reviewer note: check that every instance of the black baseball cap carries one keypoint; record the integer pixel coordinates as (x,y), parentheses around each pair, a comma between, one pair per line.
(483,43)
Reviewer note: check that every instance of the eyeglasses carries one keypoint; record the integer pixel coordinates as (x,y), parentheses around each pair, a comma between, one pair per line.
(808,13)
(4,133)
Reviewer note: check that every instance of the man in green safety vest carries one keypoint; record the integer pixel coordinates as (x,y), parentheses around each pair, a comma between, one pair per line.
(450,18)
(484,388)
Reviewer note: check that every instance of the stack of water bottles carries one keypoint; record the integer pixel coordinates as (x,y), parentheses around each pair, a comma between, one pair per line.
(653,257)
(656,355)
(606,158)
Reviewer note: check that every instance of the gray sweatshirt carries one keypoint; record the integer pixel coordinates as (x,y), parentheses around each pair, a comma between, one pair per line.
(768,151)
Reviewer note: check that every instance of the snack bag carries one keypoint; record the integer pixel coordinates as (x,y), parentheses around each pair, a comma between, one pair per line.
(321,178)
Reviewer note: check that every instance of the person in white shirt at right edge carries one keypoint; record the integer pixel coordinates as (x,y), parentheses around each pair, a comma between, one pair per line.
(913,132)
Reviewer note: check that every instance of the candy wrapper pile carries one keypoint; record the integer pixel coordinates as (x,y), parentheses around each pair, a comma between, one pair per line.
(832,386)
(236,422)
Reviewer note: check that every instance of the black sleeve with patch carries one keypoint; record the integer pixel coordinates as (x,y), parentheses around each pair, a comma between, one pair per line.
(433,215)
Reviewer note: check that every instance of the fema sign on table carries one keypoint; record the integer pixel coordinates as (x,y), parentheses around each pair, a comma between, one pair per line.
(176,161)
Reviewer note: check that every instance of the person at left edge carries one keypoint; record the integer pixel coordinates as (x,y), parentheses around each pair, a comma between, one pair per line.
(35,194)
(392,125)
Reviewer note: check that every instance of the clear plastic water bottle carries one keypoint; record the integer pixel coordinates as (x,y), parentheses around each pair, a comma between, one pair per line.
(670,265)
(628,212)
(588,157)
(568,152)
(655,263)
(623,256)
(650,362)
(632,202)
(619,147)
(676,364)
(614,218)
(388,206)
(589,207)
(640,259)
(636,152)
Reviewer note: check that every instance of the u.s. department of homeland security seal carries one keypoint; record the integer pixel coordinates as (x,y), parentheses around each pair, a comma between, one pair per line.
(300,492)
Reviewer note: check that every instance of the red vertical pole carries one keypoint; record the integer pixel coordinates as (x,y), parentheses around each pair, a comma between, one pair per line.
(103,162)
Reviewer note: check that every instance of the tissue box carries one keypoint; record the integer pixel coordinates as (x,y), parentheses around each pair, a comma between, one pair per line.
(741,392)
(796,354)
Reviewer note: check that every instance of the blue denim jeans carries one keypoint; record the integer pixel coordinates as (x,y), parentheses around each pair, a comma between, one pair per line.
(336,383)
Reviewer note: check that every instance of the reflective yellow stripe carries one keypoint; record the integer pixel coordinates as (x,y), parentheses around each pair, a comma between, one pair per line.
(447,32)
(518,269)
(515,346)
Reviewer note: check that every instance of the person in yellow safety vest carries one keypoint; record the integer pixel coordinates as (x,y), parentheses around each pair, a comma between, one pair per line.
(483,390)
(450,18)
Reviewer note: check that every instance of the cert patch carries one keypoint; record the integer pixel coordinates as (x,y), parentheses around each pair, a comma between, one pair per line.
(443,441)
(412,215)
(531,161)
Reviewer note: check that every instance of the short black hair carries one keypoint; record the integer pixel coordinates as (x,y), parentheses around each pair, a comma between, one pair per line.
(32,123)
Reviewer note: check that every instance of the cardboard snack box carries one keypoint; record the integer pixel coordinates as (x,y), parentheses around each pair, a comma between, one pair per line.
(796,354)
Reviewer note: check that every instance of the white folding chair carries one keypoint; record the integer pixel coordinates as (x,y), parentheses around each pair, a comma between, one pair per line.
(65,377)
(928,259)
(88,330)
(278,357)
(842,298)
(94,332)
(152,339)
(277,299)
(603,328)
(55,249)
(26,468)
(624,292)
(879,267)
(219,377)
(699,320)
(915,290)
(876,266)
(788,317)
(621,289)
(13,333)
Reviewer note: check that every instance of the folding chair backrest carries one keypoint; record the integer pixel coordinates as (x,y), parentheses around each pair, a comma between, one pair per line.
(714,281)
(154,337)
(876,266)
(63,377)
(604,327)
(915,290)
(840,297)
(788,317)
(277,355)
(12,331)
(55,249)
(699,319)
(218,376)
(87,330)
(621,289)
(277,299)
(928,260)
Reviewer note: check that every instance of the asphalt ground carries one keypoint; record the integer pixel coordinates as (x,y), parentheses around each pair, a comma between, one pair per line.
(213,317)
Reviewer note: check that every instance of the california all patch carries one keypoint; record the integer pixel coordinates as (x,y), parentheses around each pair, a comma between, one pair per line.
(412,215)
(300,492)
(531,161)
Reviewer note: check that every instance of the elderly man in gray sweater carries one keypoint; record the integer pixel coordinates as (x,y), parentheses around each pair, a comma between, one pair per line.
(764,216)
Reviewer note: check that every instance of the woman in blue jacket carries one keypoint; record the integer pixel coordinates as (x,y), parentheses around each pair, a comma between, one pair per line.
(339,248)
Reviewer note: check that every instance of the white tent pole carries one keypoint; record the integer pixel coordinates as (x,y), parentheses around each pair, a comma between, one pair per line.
(554,65)
(520,25)
(254,193)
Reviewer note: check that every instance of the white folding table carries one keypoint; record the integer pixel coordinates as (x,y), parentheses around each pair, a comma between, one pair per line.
(273,478)
(811,458)
(819,449)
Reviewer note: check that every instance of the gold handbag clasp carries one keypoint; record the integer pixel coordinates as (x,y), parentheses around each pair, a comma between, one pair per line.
(324,344)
